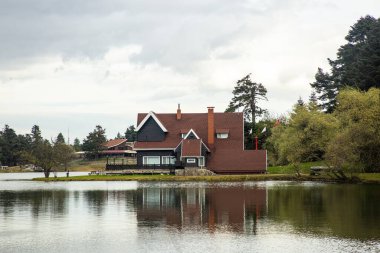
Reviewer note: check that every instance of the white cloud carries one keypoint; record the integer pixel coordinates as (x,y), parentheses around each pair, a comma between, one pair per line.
(104,61)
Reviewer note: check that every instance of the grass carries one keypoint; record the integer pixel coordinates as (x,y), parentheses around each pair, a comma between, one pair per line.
(288,169)
(217,178)
(87,165)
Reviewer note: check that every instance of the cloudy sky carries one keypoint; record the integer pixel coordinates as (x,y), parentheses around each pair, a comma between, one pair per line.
(75,64)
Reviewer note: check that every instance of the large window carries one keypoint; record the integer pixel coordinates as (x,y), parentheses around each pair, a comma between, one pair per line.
(168,160)
(151,160)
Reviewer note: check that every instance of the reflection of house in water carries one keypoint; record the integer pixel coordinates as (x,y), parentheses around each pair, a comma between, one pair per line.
(236,209)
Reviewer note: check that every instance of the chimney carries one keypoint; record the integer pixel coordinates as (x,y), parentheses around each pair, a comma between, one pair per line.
(210,126)
(179,115)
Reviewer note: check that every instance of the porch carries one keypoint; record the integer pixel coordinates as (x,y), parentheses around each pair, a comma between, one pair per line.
(120,166)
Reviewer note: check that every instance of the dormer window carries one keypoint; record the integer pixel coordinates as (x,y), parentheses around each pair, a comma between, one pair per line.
(184,132)
(222,133)
(222,136)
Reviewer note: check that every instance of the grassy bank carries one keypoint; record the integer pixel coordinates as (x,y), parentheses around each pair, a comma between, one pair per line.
(360,178)
(289,169)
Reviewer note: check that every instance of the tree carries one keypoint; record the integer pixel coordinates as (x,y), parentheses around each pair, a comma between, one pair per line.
(119,136)
(246,96)
(43,156)
(77,146)
(356,65)
(304,138)
(60,139)
(9,146)
(356,147)
(36,136)
(63,154)
(94,141)
(130,133)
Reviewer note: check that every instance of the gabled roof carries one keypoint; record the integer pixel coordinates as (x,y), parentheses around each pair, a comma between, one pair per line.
(114,143)
(153,115)
(191,131)
(233,121)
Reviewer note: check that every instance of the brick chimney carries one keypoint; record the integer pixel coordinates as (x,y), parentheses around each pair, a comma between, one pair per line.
(210,126)
(179,115)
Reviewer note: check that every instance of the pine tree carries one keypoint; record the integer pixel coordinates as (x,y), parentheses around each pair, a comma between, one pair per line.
(60,139)
(246,96)
(357,63)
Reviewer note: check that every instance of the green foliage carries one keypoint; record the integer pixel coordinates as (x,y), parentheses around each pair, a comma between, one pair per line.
(94,141)
(356,147)
(130,133)
(77,146)
(60,139)
(247,95)
(36,135)
(304,138)
(357,63)
(63,154)
(43,156)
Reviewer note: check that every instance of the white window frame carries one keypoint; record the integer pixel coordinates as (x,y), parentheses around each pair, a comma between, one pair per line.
(191,160)
(145,159)
(201,158)
(222,135)
(183,136)
(172,160)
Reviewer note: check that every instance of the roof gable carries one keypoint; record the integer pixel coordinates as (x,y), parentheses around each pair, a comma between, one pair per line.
(233,121)
(191,131)
(153,115)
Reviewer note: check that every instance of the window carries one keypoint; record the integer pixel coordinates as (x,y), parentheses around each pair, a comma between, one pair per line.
(201,161)
(168,160)
(222,136)
(183,136)
(190,160)
(151,160)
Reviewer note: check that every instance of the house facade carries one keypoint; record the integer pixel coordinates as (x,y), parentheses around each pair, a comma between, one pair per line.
(213,140)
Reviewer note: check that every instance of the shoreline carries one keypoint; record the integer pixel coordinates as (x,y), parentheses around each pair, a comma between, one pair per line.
(216,178)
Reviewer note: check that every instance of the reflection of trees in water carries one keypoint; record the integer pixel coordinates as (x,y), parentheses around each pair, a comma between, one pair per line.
(235,209)
(39,202)
(350,211)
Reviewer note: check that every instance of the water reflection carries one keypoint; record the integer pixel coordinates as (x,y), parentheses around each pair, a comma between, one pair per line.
(106,209)
(234,208)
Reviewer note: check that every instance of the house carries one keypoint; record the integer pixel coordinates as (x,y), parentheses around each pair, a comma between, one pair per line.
(214,140)
(118,147)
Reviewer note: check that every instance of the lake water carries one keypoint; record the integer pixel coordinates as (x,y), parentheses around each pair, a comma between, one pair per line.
(186,217)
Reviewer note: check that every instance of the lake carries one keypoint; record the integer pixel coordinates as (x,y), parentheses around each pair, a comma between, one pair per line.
(187,216)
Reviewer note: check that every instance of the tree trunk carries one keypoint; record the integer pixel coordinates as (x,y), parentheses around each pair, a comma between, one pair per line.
(47,173)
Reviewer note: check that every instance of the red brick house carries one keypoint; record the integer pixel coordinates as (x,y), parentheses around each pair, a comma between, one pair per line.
(214,140)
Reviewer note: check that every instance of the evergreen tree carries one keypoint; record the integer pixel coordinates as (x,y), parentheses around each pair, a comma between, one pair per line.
(94,141)
(60,139)
(9,146)
(130,133)
(357,63)
(77,145)
(36,135)
(246,96)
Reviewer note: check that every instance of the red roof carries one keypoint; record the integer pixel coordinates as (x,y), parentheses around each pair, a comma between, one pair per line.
(191,147)
(222,131)
(198,122)
(113,143)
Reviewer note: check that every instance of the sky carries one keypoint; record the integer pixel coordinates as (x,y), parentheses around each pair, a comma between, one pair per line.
(70,65)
